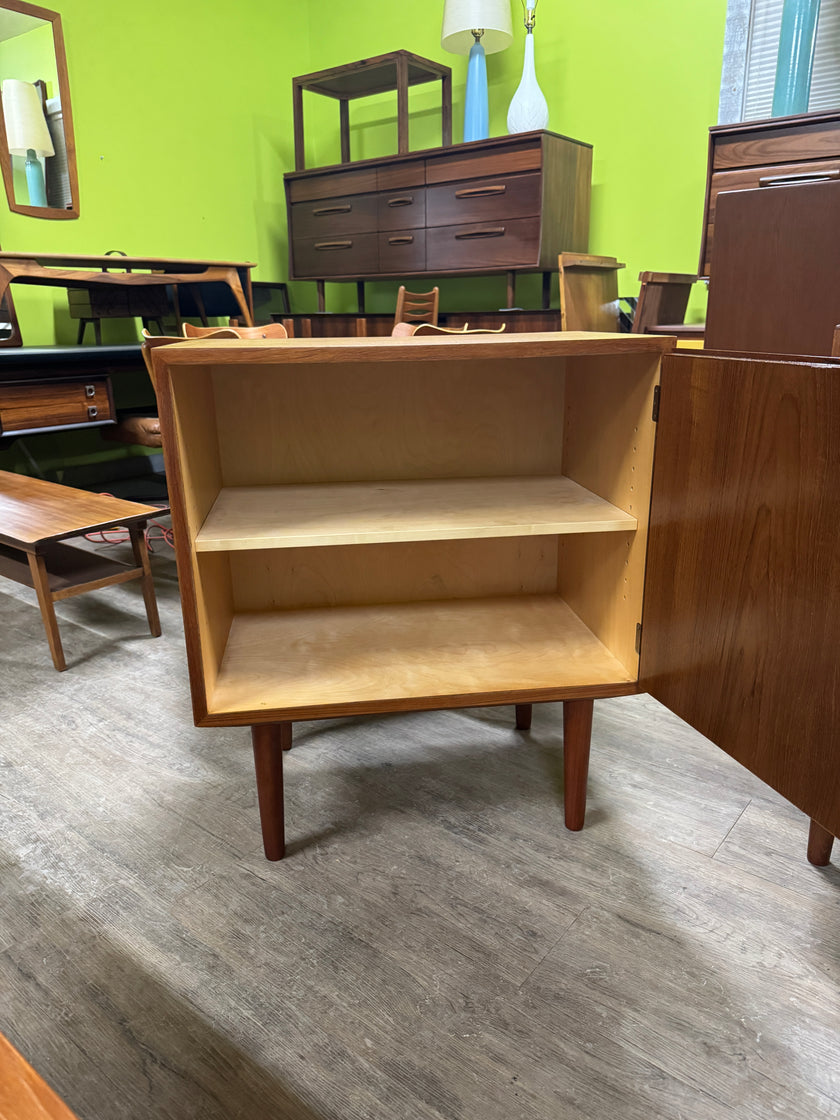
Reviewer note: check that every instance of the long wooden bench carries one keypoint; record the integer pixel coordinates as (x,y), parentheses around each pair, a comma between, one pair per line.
(36,516)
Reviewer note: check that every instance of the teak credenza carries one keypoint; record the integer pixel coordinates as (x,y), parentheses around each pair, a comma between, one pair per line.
(508,204)
(377,525)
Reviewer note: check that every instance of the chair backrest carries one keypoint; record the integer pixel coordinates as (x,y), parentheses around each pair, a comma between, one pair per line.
(269,330)
(417,307)
(663,298)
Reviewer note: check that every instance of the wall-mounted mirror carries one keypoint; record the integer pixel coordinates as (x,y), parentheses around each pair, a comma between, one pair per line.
(37,149)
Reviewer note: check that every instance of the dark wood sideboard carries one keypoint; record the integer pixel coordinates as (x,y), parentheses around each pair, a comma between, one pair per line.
(767,153)
(509,204)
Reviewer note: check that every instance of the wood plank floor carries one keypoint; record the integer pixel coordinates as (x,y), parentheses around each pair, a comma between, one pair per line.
(435,947)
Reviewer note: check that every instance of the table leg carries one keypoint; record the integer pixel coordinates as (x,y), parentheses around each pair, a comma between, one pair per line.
(820,843)
(41,583)
(269,740)
(524,712)
(235,284)
(577,732)
(137,534)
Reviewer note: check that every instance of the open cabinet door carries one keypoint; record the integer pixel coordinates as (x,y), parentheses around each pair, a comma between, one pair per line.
(741,624)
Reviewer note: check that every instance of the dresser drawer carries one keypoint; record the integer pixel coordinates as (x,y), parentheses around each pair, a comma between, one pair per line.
(475,164)
(335,184)
(402,209)
(402,250)
(513,243)
(329,217)
(342,255)
(770,144)
(479,200)
(32,405)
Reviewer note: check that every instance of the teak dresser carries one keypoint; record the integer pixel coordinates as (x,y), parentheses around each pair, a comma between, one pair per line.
(377,525)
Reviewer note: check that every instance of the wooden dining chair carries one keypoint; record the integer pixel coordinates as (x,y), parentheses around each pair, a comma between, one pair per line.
(417,307)
(268,330)
(661,306)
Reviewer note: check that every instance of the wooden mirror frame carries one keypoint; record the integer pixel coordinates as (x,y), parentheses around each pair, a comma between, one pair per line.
(67,119)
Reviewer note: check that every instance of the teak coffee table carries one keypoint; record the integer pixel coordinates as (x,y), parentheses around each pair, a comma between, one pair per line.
(36,515)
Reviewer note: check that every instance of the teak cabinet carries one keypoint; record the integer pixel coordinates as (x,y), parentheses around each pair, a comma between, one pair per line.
(376,525)
(767,154)
(510,203)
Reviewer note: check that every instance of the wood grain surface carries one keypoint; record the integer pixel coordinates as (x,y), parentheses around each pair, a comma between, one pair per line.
(741,616)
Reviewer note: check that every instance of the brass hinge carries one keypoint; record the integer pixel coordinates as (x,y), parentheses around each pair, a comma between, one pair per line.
(656,404)
(638,637)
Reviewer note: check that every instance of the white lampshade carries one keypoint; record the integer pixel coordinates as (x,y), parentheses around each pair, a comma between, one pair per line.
(461,16)
(26,125)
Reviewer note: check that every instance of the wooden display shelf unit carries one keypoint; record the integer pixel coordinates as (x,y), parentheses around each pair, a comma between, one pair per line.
(383,525)
(369,525)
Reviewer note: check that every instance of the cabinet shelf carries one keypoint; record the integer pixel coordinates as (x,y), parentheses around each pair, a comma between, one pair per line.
(306,664)
(253,517)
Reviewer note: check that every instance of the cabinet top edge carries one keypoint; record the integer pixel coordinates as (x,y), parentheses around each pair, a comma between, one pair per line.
(565,344)
(439,151)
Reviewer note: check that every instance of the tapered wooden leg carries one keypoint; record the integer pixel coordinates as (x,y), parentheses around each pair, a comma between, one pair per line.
(141,559)
(269,741)
(524,713)
(577,732)
(41,583)
(820,843)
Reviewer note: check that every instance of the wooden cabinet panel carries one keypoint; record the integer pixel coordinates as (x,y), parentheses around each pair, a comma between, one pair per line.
(766,177)
(402,209)
(484,245)
(467,164)
(330,217)
(478,200)
(342,255)
(742,155)
(331,184)
(402,251)
(37,405)
(741,612)
(398,176)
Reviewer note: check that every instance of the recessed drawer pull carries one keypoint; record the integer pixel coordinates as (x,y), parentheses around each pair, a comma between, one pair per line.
(491,231)
(90,390)
(476,192)
(405,239)
(802,177)
(92,412)
(333,244)
(403,200)
(345,208)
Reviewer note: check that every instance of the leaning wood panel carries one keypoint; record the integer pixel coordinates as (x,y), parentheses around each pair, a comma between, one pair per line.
(608,448)
(308,664)
(742,612)
(392,573)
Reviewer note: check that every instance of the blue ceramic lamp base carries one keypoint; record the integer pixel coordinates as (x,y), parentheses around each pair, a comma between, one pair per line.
(476,111)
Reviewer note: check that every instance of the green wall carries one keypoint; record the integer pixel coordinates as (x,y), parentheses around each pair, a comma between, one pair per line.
(182,114)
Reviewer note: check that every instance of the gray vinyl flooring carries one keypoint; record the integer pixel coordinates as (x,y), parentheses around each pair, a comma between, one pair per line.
(436,945)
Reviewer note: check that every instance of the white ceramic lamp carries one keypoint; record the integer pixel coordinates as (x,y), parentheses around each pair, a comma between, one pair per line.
(476,28)
(528,109)
(27,133)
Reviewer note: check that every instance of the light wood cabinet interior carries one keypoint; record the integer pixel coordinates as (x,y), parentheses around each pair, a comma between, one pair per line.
(376,525)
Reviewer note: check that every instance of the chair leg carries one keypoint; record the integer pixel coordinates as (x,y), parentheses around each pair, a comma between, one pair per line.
(524,712)
(577,733)
(41,583)
(820,843)
(269,740)
(141,559)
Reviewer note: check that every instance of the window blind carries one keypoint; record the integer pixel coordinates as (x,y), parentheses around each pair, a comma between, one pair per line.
(762,49)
